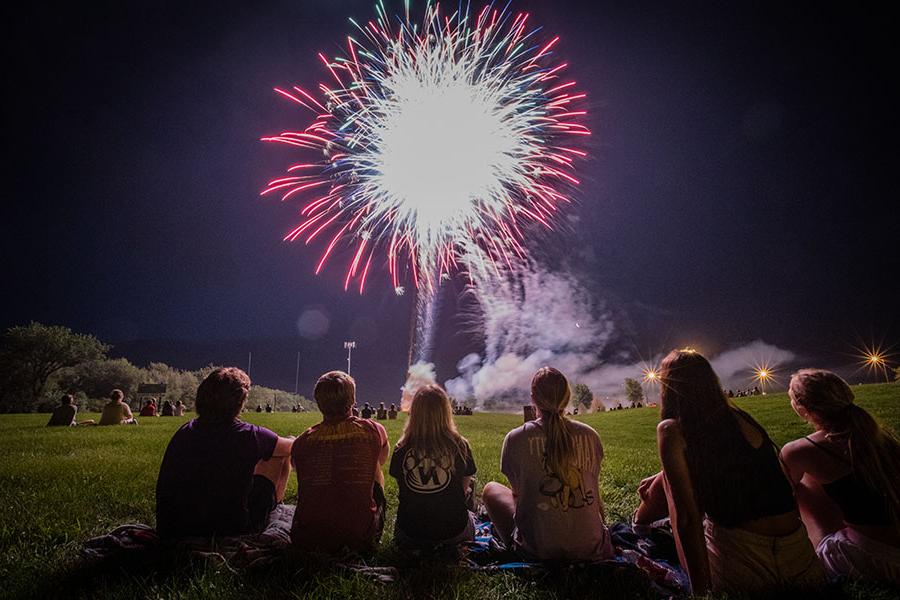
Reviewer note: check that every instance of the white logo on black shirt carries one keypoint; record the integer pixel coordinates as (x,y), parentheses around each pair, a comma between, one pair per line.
(425,475)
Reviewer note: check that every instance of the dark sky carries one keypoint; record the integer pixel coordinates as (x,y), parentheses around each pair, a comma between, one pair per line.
(742,181)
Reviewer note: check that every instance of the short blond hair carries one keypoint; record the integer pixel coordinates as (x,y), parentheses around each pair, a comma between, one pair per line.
(335,394)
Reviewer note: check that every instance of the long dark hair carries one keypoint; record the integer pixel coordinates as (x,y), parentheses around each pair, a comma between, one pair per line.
(692,395)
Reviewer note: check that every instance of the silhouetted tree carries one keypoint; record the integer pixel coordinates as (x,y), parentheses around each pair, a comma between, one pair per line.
(633,391)
(31,353)
(98,377)
(582,396)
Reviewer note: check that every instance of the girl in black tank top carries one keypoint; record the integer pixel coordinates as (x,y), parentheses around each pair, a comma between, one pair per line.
(735,482)
(858,501)
(732,507)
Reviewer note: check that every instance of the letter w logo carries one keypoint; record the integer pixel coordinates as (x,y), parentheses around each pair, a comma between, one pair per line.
(429,476)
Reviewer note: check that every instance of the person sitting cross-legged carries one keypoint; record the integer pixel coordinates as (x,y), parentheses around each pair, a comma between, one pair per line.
(367,411)
(64,414)
(116,411)
(847,480)
(553,510)
(149,408)
(433,466)
(221,476)
(340,485)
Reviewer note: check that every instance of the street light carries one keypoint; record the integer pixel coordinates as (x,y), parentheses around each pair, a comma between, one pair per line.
(349,346)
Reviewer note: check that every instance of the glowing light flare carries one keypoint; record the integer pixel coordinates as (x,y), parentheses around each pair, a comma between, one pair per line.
(439,142)
(875,358)
(764,374)
(651,375)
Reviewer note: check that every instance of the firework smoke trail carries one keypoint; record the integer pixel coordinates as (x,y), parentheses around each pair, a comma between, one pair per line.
(434,136)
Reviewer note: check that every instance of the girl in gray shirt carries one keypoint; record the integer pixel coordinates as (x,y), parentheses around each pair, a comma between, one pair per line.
(553,510)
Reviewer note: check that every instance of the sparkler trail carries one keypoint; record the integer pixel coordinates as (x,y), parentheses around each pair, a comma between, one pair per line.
(435,144)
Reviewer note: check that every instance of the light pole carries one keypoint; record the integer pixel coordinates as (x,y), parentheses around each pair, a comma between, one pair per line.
(349,346)
(297,375)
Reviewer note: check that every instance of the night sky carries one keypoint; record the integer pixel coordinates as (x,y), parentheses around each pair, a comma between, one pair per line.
(741,186)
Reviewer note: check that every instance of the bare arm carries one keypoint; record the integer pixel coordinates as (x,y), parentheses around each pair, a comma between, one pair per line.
(283,447)
(687,522)
(382,458)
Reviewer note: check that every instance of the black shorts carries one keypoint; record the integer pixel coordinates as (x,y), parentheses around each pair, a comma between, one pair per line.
(260,503)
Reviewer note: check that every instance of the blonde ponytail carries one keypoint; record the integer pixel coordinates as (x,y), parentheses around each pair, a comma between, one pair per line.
(550,394)
(875,457)
(874,450)
(559,447)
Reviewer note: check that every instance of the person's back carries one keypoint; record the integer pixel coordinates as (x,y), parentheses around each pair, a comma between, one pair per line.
(340,487)
(205,476)
(179,409)
(167,409)
(558,516)
(433,466)
(207,484)
(64,414)
(553,509)
(733,511)
(148,410)
(115,412)
(846,475)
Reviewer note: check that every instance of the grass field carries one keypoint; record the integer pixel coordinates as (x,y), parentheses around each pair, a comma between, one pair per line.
(61,486)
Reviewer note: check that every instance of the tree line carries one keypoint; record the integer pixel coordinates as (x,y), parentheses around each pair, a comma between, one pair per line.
(39,363)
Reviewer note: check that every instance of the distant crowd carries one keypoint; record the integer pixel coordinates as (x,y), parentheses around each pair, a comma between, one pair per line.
(754,391)
(115,412)
(746,515)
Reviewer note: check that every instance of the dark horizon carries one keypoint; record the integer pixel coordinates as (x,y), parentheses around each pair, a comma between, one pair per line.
(740,185)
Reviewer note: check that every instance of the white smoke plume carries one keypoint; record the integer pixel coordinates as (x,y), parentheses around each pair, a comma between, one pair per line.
(538,318)
(419,375)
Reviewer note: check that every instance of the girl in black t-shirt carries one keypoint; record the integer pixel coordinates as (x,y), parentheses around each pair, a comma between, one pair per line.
(433,466)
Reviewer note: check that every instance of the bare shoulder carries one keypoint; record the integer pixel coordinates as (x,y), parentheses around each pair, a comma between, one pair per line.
(669,435)
(795,449)
(668,428)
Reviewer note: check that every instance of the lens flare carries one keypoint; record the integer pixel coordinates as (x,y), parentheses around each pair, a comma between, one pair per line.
(439,143)
(875,359)
(764,374)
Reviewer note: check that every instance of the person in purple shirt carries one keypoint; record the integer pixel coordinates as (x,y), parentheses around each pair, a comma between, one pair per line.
(221,476)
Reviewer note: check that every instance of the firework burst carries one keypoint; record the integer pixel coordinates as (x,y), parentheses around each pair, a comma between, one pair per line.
(437,142)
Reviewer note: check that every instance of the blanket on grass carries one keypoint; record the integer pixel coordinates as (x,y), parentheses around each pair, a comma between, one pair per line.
(651,551)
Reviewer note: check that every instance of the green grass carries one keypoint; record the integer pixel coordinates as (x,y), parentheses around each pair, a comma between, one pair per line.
(61,486)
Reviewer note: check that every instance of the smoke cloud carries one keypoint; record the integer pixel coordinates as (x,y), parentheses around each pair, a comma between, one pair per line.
(540,318)
(419,375)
